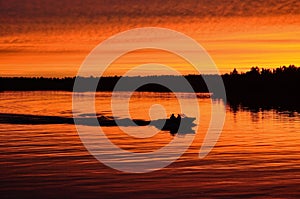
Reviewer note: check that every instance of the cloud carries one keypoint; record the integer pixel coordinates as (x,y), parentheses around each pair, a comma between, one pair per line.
(23,17)
(63,30)
(143,8)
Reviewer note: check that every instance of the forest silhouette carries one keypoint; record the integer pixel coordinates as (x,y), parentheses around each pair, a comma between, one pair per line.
(256,88)
(264,88)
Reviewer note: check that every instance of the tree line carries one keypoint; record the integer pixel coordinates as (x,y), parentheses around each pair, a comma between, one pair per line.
(258,85)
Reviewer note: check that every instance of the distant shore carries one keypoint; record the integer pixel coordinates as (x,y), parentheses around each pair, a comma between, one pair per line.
(278,87)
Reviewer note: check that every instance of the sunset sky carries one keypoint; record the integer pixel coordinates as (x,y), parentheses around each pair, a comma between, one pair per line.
(52,38)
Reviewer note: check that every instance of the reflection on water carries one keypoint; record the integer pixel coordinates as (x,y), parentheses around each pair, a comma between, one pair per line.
(257,155)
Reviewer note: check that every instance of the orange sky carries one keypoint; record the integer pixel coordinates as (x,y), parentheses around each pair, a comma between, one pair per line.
(52,38)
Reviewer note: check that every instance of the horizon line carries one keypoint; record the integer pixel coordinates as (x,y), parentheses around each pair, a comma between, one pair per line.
(164,75)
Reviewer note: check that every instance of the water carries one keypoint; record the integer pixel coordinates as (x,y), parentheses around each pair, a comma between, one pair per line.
(257,154)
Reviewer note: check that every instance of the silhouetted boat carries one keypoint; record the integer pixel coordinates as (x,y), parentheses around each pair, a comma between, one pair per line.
(173,125)
(185,123)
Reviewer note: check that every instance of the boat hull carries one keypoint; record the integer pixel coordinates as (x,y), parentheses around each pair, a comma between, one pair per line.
(174,126)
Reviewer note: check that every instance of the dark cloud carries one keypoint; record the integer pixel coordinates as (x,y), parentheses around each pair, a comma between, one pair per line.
(144,8)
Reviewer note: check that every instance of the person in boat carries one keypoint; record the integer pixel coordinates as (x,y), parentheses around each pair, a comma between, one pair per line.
(178,119)
(172,118)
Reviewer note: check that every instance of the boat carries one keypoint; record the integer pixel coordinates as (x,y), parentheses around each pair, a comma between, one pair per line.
(182,124)
(174,125)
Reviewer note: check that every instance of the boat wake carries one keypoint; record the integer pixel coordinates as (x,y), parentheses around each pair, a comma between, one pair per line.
(183,126)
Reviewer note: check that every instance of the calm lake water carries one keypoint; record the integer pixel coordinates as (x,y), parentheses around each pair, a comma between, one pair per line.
(256,156)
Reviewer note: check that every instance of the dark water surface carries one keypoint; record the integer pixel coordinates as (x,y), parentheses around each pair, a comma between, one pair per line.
(257,155)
